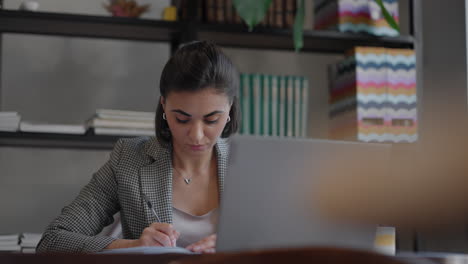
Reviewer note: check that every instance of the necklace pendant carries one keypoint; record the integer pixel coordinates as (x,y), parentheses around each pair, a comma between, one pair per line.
(187,181)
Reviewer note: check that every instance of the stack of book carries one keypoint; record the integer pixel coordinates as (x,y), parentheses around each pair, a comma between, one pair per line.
(273,105)
(37,127)
(122,123)
(29,242)
(9,121)
(10,243)
(355,16)
(281,13)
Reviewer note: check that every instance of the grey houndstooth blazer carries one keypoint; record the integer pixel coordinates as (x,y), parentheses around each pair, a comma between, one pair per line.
(136,166)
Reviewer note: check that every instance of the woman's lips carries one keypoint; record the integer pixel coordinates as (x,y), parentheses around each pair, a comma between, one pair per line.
(197,147)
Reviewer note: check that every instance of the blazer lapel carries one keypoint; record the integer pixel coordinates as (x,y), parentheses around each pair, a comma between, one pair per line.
(222,153)
(156,183)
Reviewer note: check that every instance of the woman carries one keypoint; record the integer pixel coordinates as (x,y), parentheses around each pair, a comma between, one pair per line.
(166,188)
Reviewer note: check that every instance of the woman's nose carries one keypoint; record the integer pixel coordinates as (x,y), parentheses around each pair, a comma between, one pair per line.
(196,132)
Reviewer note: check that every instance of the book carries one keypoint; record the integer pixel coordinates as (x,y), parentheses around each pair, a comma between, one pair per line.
(28,250)
(308,15)
(297,107)
(282,106)
(10,248)
(30,240)
(122,113)
(123,131)
(220,8)
(52,128)
(290,13)
(274,105)
(257,104)
(8,114)
(121,123)
(9,121)
(10,243)
(265,105)
(245,103)
(304,106)
(10,237)
(290,106)
(229,12)
(210,11)
(270,17)
(132,118)
(278,13)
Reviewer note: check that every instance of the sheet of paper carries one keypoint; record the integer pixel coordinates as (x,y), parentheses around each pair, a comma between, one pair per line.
(148,250)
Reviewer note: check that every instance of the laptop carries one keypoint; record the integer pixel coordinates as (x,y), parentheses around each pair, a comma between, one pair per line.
(268,197)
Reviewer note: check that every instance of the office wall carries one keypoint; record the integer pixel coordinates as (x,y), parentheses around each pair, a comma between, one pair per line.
(55,79)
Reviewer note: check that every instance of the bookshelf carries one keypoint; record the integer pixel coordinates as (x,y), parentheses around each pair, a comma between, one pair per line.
(71,25)
(51,140)
(227,35)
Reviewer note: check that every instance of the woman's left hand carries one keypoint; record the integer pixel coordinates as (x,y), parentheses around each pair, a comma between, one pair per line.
(206,245)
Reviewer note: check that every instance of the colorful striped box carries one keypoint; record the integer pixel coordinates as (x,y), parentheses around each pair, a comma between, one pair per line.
(373,96)
(355,16)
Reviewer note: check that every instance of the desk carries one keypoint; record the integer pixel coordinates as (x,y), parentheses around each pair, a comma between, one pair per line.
(307,255)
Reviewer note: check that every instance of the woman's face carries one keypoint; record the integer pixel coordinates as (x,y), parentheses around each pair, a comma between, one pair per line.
(196,119)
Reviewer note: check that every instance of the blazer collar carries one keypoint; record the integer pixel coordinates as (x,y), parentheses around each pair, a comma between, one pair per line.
(156,181)
(156,177)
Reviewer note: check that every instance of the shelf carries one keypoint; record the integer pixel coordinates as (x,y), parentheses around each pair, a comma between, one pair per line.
(237,36)
(226,35)
(59,24)
(49,140)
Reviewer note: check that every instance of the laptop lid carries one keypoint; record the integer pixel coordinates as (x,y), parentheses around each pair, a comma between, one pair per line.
(268,197)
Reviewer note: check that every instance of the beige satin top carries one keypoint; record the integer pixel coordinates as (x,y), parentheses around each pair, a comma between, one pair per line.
(193,228)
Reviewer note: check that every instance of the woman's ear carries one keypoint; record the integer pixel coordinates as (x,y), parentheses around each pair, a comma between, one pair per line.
(162,100)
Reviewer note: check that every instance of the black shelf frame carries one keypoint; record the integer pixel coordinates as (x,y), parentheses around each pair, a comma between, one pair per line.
(238,36)
(174,33)
(71,25)
(53,140)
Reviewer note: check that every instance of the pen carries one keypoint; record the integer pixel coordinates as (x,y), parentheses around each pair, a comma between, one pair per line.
(151,207)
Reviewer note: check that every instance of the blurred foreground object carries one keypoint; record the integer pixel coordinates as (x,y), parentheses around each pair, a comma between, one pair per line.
(311,255)
(425,187)
(125,8)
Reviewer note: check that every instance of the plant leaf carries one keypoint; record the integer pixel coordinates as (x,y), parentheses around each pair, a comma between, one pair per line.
(298,28)
(252,11)
(390,20)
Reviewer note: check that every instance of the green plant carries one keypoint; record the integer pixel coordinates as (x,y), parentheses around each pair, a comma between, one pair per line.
(254,11)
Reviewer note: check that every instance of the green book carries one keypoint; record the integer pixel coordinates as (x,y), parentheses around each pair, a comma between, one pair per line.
(297,106)
(274,105)
(266,105)
(290,106)
(282,106)
(257,104)
(241,101)
(246,104)
(304,106)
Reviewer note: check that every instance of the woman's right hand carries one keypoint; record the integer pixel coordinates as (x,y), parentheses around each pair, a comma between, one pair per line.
(158,234)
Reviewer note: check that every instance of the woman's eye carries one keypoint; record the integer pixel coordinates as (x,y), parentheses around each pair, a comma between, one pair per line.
(182,121)
(211,121)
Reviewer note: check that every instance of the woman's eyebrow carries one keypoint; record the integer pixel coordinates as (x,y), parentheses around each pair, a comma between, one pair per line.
(181,112)
(213,113)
